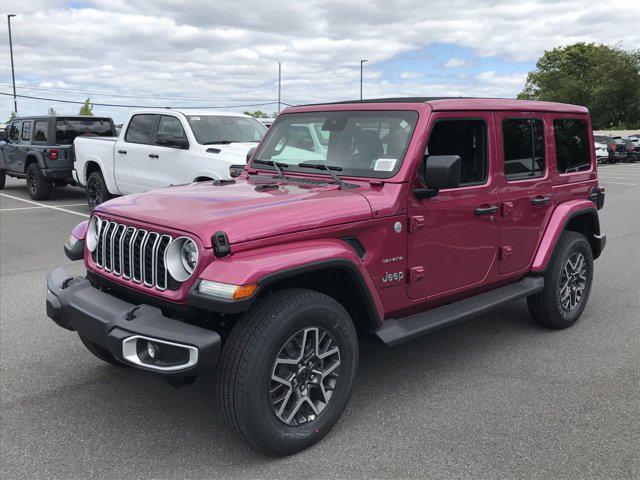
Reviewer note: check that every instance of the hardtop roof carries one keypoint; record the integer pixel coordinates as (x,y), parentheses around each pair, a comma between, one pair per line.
(467,103)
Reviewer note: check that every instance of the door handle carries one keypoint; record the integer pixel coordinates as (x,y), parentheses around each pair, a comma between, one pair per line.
(537,201)
(122,152)
(489,210)
(154,155)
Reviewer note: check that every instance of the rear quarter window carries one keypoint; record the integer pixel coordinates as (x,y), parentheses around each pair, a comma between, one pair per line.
(573,152)
(40,131)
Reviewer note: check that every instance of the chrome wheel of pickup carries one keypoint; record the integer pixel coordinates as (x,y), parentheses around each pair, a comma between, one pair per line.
(304,375)
(573,281)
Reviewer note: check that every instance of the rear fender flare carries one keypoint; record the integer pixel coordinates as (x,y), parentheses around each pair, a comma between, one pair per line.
(276,263)
(38,156)
(560,218)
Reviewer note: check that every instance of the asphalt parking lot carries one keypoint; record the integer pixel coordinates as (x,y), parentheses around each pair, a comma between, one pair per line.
(496,397)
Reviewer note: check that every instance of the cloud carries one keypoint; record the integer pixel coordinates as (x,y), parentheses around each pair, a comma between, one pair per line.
(411,75)
(457,63)
(226,50)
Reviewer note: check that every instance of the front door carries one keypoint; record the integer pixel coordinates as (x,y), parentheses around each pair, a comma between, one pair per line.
(525,186)
(453,237)
(11,148)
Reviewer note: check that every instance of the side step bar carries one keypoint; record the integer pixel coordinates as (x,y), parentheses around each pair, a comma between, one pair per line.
(394,331)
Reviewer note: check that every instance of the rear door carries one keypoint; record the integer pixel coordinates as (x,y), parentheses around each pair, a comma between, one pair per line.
(525,186)
(453,236)
(133,169)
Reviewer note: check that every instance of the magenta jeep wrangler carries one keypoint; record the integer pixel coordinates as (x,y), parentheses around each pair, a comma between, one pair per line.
(386,218)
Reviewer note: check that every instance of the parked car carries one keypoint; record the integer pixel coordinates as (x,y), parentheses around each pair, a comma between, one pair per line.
(40,149)
(602,153)
(162,147)
(407,225)
(632,147)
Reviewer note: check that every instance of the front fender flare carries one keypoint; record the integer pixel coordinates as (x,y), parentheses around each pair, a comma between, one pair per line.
(560,217)
(271,264)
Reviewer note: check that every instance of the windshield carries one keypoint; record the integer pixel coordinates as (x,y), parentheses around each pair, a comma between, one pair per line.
(209,129)
(67,129)
(359,143)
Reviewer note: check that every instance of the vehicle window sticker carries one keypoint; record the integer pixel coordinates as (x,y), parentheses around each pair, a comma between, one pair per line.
(385,164)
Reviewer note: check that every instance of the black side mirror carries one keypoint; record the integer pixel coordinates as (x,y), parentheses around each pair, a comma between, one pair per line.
(250,153)
(439,171)
(168,140)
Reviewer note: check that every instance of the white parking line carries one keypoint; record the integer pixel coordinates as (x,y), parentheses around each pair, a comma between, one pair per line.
(53,207)
(620,183)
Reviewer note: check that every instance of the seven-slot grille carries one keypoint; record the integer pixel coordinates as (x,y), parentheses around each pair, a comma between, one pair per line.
(133,253)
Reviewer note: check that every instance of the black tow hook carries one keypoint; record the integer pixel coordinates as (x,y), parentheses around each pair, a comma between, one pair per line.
(178,382)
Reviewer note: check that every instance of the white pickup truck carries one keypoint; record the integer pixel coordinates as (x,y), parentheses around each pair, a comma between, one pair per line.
(161,147)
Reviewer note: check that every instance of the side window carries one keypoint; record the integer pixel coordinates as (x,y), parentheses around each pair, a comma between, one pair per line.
(26,131)
(523,148)
(140,128)
(572,145)
(169,125)
(467,139)
(14,132)
(40,131)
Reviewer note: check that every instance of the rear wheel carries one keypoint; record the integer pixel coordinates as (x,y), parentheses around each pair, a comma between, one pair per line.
(287,370)
(100,352)
(567,283)
(96,190)
(38,186)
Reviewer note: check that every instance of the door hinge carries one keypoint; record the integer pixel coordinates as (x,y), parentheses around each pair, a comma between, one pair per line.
(416,223)
(507,209)
(505,252)
(416,274)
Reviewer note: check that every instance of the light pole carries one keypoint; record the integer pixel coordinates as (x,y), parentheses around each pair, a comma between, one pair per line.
(361,63)
(279,86)
(13,75)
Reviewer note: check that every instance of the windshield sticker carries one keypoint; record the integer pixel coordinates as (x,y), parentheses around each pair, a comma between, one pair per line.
(403,124)
(385,164)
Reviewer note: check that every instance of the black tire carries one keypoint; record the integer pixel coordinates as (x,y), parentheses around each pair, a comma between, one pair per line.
(245,384)
(3,179)
(38,186)
(100,352)
(547,307)
(96,190)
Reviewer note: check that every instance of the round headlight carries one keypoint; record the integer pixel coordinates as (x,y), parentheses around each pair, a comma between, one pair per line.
(181,258)
(92,233)
(189,255)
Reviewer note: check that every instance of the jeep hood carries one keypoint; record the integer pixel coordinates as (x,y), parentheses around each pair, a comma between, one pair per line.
(243,210)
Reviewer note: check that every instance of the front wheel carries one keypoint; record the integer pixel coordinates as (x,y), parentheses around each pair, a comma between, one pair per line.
(96,190)
(567,283)
(287,370)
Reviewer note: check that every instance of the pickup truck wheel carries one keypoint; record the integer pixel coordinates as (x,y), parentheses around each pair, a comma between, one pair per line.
(100,352)
(287,370)
(38,186)
(567,283)
(96,190)
(3,179)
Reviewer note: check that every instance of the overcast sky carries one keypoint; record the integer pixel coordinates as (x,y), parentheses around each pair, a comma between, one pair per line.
(223,53)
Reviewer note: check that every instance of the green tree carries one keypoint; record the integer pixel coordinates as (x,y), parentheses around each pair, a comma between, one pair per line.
(604,79)
(86,108)
(257,114)
(52,112)
(11,117)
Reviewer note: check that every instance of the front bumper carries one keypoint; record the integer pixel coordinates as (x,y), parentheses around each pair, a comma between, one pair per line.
(74,304)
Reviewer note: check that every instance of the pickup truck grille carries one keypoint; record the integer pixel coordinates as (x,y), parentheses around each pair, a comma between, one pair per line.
(135,254)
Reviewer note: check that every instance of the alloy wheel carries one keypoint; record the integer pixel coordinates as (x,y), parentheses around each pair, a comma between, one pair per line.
(572,282)
(304,376)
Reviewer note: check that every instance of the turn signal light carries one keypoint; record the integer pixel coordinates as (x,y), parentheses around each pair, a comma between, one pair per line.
(226,290)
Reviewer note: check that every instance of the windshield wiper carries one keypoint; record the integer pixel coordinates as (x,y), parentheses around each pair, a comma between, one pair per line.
(277,165)
(328,168)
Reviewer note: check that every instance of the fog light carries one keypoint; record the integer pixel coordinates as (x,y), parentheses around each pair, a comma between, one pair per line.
(152,350)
